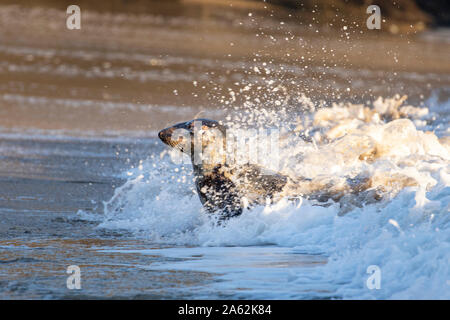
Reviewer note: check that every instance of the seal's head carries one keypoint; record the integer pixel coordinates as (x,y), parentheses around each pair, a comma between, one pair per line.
(204,141)
(183,136)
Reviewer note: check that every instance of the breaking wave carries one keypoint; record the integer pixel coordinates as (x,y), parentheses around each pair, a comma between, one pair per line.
(386,175)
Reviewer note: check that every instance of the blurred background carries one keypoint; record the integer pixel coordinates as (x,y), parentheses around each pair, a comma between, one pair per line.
(136,66)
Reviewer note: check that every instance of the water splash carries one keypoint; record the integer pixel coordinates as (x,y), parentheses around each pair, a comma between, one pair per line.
(354,152)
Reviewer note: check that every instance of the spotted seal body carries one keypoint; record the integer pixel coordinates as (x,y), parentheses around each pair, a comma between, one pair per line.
(222,188)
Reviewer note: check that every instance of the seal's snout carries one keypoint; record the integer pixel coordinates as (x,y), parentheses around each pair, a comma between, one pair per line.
(164,135)
(175,136)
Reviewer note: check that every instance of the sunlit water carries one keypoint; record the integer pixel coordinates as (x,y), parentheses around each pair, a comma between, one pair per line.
(299,249)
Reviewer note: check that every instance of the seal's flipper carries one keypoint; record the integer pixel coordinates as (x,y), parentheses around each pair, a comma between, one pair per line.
(218,194)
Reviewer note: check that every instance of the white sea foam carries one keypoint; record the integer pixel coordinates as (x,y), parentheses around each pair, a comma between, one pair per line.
(405,231)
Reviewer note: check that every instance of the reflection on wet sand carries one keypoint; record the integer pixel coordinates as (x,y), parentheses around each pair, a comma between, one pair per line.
(38,270)
(134,74)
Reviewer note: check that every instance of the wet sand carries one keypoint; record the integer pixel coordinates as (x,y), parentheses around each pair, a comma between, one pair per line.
(44,182)
(41,235)
(129,71)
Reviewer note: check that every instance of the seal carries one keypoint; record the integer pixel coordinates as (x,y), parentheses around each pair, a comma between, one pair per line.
(223,188)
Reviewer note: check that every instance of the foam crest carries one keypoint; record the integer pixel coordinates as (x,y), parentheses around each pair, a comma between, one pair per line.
(385,188)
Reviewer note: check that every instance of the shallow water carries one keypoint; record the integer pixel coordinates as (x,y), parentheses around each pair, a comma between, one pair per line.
(42,233)
(85,182)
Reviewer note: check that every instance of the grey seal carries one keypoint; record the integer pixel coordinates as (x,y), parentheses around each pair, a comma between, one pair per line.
(223,188)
